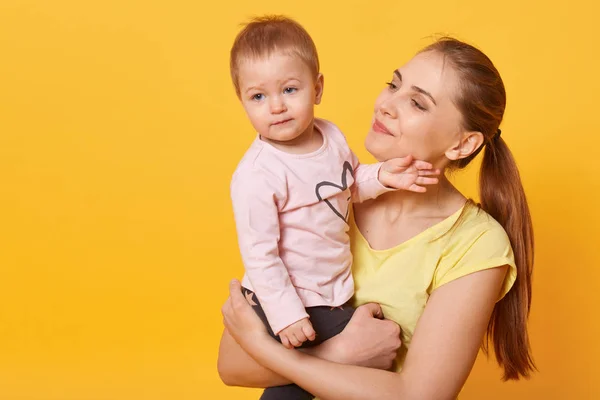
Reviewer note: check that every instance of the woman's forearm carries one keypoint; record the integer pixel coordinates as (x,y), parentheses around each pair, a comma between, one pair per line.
(250,374)
(329,380)
(237,368)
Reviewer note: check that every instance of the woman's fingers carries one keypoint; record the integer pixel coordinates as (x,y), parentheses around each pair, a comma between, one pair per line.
(235,295)
(240,319)
(226,308)
(373,309)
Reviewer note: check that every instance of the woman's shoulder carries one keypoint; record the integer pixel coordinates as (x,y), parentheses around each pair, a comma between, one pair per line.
(476,242)
(473,222)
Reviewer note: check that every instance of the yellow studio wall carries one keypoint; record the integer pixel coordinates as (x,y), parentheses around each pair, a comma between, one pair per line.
(119,131)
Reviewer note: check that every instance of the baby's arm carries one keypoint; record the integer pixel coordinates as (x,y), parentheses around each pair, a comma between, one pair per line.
(255,195)
(366,181)
(372,180)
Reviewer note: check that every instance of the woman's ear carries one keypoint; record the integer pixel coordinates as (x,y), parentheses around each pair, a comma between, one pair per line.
(468,144)
(319,88)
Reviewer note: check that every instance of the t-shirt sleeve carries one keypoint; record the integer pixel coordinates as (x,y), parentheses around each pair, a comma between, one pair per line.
(255,196)
(488,248)
(366,184)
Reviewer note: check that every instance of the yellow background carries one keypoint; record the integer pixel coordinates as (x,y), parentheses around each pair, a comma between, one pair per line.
(119,130)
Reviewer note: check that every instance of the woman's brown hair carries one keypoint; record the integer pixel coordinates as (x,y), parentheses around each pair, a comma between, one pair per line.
(481,99)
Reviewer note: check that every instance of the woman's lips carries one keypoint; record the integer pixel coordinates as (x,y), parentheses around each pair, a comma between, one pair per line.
(380,128)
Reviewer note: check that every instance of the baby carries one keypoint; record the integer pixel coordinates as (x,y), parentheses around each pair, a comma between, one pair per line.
(293,188)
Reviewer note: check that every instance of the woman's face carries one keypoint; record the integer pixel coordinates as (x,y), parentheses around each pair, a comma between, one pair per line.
(415,115)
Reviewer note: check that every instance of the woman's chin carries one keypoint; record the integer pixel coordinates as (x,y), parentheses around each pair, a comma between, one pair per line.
(381,150)
(374,146)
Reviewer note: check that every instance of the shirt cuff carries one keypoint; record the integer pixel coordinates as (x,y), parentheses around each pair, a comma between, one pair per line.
(284,312)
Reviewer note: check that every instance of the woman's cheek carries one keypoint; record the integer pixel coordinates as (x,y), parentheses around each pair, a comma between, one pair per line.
(376,147)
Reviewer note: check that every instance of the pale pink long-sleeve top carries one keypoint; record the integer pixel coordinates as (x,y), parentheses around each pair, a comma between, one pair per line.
(291,214)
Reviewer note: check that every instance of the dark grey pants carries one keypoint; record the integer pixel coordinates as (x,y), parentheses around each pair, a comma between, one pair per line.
(326,321)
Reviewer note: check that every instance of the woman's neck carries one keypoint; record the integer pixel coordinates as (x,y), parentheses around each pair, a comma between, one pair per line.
(440,200)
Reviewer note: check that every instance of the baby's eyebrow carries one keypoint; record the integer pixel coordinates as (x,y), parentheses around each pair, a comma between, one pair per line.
(281,82)
(252,88)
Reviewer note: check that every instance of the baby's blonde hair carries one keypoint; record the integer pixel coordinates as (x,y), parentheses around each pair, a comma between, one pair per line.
(269,34)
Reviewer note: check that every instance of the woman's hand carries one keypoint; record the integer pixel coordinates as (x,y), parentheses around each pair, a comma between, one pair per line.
(368,340)
(241,321)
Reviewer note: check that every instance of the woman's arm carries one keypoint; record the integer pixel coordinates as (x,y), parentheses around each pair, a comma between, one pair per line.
(237,368)
(441,356)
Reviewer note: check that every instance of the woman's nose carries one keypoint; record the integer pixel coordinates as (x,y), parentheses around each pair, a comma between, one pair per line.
(389,108)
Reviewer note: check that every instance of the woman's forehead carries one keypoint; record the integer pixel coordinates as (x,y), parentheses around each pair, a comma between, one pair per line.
(430,71)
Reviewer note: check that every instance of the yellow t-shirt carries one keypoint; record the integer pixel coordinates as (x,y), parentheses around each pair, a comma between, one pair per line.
(402,278)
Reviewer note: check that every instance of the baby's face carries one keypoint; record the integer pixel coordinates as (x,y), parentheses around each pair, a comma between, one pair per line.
(279,93)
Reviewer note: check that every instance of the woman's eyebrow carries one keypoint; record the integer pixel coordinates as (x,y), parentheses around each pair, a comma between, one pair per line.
(416,88)
(425,92)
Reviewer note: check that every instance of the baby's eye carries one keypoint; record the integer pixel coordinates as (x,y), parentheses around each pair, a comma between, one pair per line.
(258,96)
(289,90)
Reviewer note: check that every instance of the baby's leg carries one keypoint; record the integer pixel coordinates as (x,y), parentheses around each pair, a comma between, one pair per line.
(287,392)
(253,300)
(327,322)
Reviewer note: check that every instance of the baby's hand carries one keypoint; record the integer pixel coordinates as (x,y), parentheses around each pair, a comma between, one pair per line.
(408,174)
(297,333)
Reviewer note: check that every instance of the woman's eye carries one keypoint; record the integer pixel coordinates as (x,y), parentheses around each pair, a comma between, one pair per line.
(391,85)
(419,106)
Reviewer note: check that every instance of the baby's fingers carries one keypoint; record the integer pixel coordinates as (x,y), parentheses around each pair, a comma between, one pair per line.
(426,181)
(309,332)
(428,172)
(294,341)
(416,188)
(285,341)
(422,164)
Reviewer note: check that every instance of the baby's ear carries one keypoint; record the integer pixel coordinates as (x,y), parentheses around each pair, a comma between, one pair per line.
(320,82)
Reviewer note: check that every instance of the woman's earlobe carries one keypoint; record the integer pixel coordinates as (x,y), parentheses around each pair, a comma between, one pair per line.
(469,144)
(454,154)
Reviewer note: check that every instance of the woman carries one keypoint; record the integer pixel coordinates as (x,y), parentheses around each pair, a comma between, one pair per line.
(444,269)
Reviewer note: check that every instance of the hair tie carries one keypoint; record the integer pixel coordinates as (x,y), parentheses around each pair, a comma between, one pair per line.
(494,138)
